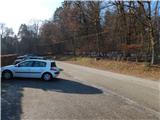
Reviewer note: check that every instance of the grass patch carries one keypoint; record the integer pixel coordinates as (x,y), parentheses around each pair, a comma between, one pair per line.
(124,67)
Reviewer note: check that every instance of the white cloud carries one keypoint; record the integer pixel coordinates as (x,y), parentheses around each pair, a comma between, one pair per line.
(15,12)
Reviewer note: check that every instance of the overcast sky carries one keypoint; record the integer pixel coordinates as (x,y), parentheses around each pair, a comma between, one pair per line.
(15,12)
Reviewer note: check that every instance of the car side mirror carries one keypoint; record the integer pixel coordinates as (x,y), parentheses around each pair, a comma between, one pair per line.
(17,65)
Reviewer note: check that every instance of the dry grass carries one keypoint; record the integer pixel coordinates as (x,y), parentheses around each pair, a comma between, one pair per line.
(129,68)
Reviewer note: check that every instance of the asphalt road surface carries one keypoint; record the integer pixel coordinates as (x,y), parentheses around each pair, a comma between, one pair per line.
(82,93)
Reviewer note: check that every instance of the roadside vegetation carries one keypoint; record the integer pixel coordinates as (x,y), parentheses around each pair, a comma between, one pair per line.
(130,68)
(124,29)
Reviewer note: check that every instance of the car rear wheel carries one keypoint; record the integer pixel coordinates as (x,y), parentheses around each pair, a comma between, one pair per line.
(7,75)
(47,77)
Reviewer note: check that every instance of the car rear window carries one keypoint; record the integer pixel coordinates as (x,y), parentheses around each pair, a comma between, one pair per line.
(53,64)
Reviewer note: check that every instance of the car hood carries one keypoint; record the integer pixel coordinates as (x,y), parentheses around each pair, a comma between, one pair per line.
(8,66)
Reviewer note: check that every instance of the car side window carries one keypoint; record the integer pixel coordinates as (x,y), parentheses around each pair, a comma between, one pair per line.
(39,64)
(26,64)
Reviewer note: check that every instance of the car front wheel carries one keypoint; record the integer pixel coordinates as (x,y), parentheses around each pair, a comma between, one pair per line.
(7,75)
(47,76)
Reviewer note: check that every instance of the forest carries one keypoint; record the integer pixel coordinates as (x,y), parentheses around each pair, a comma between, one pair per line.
(119,30)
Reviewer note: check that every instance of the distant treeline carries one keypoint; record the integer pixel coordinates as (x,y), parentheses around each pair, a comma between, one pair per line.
(113,29)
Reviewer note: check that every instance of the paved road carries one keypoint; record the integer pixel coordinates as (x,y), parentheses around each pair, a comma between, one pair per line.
(82,93)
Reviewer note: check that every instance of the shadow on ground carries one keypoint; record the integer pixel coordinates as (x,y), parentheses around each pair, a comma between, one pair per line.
(58,85)
(10,101)
(12,93)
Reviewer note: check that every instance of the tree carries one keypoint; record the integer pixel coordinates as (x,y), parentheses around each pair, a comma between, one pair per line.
(28,39)
(9,41)
(128,27)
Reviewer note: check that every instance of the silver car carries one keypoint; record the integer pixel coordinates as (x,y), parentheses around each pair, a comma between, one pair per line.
(32,68)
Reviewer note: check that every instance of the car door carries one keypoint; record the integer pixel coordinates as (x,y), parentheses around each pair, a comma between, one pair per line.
(23,69)
(37,68)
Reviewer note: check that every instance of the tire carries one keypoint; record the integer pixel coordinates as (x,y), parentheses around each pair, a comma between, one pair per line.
(47,77)
(7,75)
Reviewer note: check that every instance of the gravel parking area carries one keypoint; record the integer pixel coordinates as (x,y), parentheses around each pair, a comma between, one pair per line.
(68,97)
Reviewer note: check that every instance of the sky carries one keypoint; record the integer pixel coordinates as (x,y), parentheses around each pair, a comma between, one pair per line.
(13,13)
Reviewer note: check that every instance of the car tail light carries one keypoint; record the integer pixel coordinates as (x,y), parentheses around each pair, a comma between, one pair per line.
(53,68)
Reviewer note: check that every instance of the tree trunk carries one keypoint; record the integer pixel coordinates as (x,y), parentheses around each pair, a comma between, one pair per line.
(152,47)
(74,44)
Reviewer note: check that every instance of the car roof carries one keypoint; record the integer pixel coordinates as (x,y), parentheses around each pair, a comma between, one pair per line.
(39,60)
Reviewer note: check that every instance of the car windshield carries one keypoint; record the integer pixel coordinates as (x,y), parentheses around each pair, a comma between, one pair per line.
(53,64)
(15,62)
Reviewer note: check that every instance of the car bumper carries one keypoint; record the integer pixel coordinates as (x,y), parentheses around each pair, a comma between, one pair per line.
(56,74)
